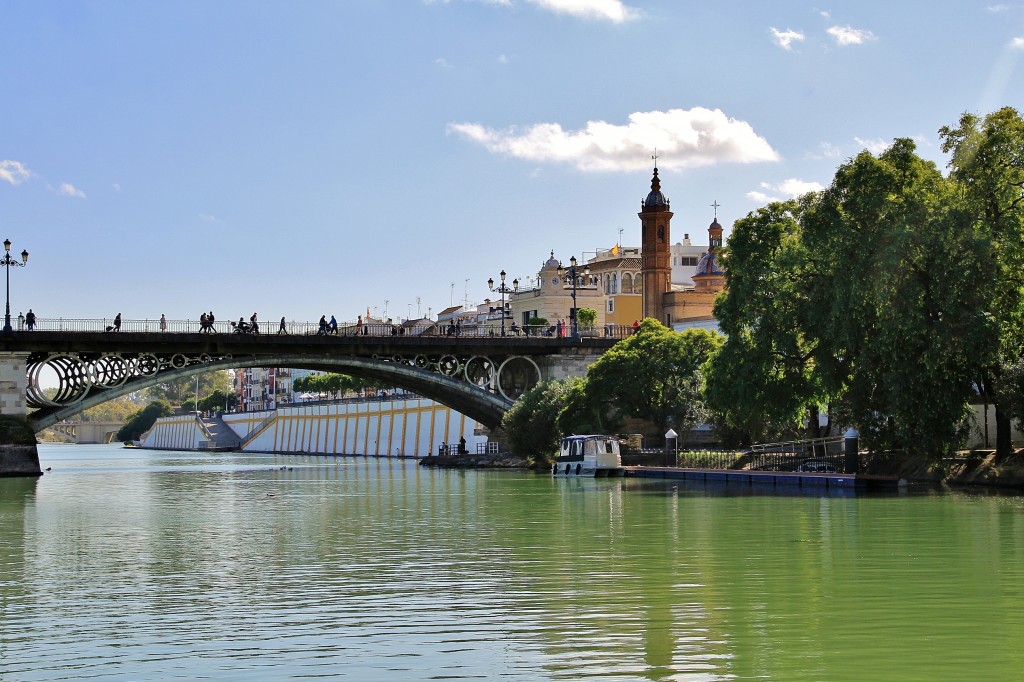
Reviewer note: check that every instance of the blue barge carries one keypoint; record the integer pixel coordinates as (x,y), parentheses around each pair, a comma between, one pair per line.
(767,478)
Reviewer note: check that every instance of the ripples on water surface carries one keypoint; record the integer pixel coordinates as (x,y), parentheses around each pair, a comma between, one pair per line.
(135,565)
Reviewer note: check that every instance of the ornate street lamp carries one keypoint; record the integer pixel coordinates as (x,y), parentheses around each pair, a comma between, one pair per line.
(8,263)
(572,273)
(503,289)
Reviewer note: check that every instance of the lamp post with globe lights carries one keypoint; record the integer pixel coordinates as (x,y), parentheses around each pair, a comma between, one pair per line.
(9,263)
(572,273)
(503,289)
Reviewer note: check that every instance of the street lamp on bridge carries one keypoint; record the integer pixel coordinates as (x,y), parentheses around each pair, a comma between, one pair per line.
(572,273)
(8,263)
(503,289)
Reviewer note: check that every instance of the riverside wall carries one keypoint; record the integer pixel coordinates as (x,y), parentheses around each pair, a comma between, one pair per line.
(408,427)
(179,432)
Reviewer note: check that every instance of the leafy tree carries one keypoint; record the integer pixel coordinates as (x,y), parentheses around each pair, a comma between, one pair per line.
(142,421)
(762,382)
(987,165)
(334,385)
(656,374)
(586,317)
(117,410)
(532,423)
(581,414)
(217,401)
(894,322)
(179,390)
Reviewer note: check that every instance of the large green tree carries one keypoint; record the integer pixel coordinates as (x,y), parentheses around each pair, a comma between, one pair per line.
(762,384)
(656,374)
(987,165)
(334,385)
(531,425)
(177,391)
(895,323)
(581,414)
(143,420)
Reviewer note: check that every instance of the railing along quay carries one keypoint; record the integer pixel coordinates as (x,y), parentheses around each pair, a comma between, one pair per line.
(819,455)
(296,328)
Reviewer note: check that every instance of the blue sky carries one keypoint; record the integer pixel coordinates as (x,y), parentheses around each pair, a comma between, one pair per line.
(308,158)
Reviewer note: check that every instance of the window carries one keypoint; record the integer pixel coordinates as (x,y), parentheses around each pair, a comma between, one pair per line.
(611,305)
(627,283)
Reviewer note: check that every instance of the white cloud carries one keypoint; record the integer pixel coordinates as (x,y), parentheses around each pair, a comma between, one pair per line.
(606,10)
(761,197)
(683,138)
(504,59)
(443,63)
(207,218)
(610,10)
(69,190)
(795,188)
(847,35)
(826,150)
(14,172)
(876,146)
(791,189)
(116,186)
(504,3)
(998,8)
(1017,43)
(785,39)
(825,14)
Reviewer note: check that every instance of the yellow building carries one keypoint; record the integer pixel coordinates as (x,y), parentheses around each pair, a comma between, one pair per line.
(681,280)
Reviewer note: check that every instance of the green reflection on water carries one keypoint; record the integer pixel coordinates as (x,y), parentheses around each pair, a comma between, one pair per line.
(127,565)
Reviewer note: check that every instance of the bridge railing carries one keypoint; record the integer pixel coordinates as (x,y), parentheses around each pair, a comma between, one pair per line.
(146,326)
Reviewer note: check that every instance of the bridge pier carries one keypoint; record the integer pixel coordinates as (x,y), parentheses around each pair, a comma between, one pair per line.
(567,365)
(18,453)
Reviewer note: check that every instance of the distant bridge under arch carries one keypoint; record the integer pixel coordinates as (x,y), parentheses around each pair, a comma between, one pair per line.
(479,376)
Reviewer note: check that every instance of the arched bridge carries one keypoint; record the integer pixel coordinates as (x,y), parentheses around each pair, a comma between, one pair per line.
(477,375)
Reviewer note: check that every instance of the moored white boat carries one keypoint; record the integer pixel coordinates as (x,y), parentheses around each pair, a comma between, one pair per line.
(588,456)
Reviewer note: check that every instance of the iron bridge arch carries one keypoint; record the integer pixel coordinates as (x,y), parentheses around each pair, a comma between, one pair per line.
(479,387)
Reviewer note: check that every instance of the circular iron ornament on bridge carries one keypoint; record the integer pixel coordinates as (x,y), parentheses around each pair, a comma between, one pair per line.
(147,365)
(517,375)
(109,371)
(73,381)
(80,376)
(479,371)
(422,361)
(448,365)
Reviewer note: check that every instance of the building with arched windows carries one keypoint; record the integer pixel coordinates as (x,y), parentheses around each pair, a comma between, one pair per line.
(674,283)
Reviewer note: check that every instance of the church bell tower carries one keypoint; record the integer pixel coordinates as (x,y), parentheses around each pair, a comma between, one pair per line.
(655,268)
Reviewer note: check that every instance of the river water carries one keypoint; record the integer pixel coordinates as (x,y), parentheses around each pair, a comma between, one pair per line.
(139,565)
